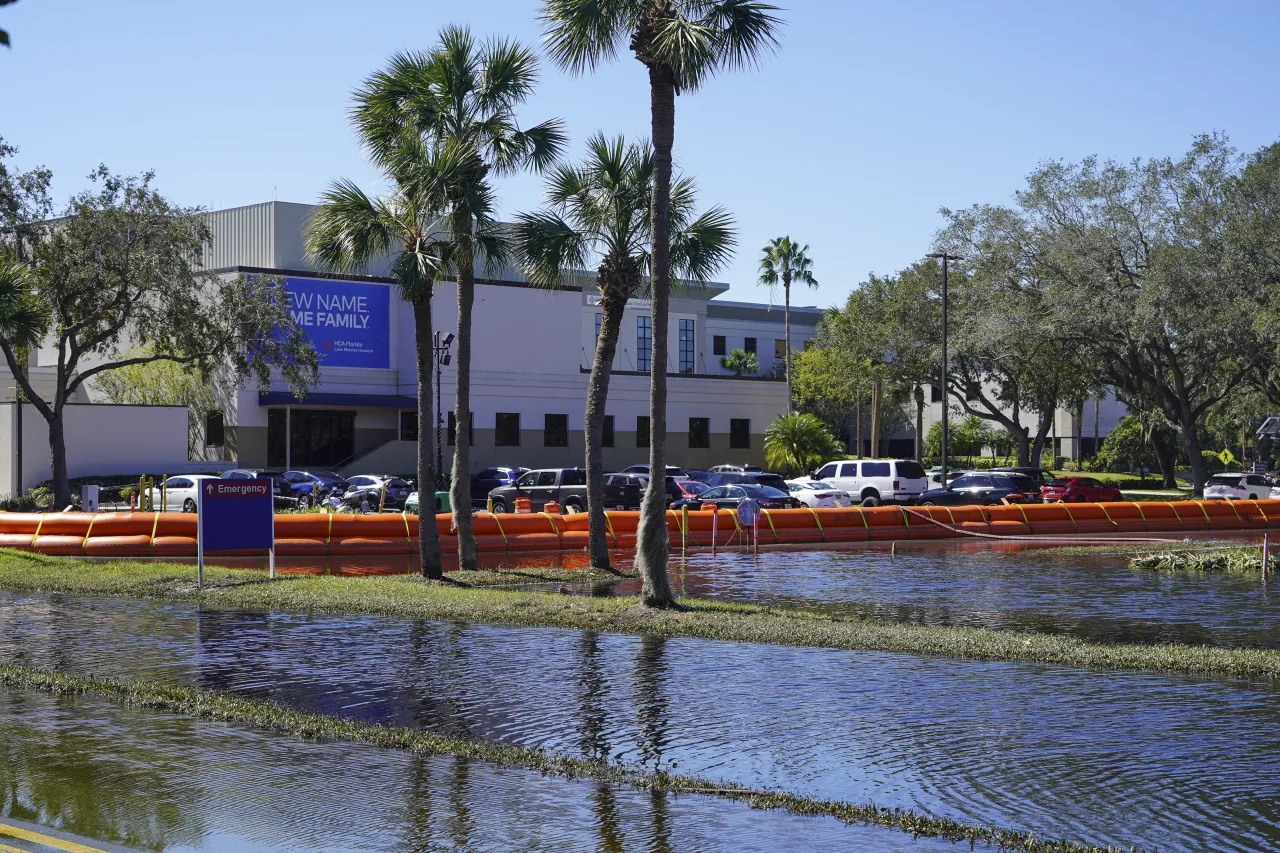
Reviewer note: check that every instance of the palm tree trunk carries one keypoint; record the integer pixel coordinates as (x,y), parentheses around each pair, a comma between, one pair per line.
(786,323)
(919,423)
(612,308)
(460,488)
(651,535)
(428,535)
(875,418)
(858,420)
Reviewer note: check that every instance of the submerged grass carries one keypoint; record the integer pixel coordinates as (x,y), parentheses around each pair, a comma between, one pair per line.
(410,597)
(274,716)
(1228,561)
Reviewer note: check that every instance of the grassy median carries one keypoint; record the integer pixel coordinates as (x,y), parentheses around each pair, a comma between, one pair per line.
(1246,562)
(411,597)
(274,716)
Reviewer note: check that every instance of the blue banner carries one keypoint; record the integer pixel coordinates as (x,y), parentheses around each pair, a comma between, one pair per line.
(348,322)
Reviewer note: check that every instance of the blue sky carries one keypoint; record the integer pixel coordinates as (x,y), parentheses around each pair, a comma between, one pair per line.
(871,116)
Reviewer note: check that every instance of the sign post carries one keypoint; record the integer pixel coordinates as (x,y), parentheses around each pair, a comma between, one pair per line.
(234,515)
(749,517)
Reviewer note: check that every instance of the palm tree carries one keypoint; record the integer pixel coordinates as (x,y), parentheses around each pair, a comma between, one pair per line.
(349,229)
(598,212)
(740,361)
(798,441)
(784,261)
(460,99)
(681,43)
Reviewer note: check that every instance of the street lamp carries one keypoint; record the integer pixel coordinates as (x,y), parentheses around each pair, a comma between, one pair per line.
(944,257)
(441,349)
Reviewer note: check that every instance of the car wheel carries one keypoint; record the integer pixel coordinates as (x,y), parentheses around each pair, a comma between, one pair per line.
(499,506)
(871,499)
(189,505)
(928,503)
(572,506)
(304,502)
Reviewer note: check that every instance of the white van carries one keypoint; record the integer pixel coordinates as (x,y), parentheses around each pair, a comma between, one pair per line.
(876,481)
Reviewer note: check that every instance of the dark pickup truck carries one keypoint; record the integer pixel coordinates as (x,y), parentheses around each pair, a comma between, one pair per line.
(567,487)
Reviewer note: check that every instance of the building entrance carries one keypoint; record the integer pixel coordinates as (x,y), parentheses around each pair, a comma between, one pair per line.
(306,438)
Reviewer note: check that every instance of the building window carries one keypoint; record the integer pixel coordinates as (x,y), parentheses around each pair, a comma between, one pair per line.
(213,430)
(451,431)
(717,344)
(606,432)
(740,433)
(599,320)
(686,346)
(808,345)
(699,432)
(644,344)
(780,349)
(506,429)
(749,344)
(408,426)
(642,431)
(555,431)
(935,394)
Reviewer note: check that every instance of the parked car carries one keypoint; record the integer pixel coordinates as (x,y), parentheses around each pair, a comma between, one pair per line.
(492,478)
(736,469)
(815,493)
(620,486)
(876,481)
(691,488)
(308,488)
(728,497)
(773,481)
(368,489)
(695,474)
(1078,490)
(935,476)
(1040,475)
(643,469)
(1237,487)
(981,488)
(179,492)
(411,503)
(565,486)
(674,492)
(279,485)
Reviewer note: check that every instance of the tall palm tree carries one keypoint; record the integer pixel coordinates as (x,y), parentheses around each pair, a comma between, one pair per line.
(349,229)
(598,213)
(461,97)
(786,262)
(681,44)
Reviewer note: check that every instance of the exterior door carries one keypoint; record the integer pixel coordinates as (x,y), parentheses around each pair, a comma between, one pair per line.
(543,489)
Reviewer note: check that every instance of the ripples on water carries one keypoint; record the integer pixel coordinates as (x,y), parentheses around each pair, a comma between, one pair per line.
(1165,761)
(165,782)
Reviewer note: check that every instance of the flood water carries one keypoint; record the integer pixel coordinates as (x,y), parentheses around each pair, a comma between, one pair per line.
(1163,761)
(158,781)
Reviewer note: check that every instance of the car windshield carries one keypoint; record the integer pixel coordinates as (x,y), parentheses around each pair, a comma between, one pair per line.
(1224,480)
(693,487)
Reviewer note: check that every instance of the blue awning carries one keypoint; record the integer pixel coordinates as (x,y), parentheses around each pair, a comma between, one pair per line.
(347,401)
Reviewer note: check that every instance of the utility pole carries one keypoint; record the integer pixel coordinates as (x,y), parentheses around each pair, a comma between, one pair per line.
(944,257)
(442,356)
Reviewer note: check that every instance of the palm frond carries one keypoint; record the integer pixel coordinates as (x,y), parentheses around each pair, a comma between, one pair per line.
(581,34)
(23,322)
(347,229)
(548,248)
(705,246)
(508,71)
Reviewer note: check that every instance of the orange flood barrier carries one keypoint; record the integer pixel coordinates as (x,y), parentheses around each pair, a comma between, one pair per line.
(172,534)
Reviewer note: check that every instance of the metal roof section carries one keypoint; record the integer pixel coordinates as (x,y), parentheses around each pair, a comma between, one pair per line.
(800,316)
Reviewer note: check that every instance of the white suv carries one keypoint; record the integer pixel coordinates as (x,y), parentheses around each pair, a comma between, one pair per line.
(875,481)
(1237,487)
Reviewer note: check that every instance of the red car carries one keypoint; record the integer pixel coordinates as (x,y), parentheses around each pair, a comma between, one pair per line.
(1078,490)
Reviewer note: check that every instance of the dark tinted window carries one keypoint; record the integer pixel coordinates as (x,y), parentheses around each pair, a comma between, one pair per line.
(527,480)
(749,344)
(717,344)
(848,469)
(1023,484)
(555,431)
(982,482)
(910,470)
(1057,483)
(772,481)
(712,494)
(740,433)
(642,431)
(451,430)
(962,482)
(606,432)
(826,471)
(693,487)
(506,431)
(766,492)
(573,478)
(700,432)
(935,394)
(876,469)
(546,478)
(213,431)
(408,426)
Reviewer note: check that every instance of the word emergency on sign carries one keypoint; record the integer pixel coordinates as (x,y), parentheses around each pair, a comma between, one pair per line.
(235,515)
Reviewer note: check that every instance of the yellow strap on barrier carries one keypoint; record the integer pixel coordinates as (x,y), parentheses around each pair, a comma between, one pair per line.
(818,522)
(772,530)
(552,522)
(1074,523)
(1232,504)
(1260,512)
(1145,526)
(408,534)
(906,522)
(84,543)
(608,526)
(505,543)
(36,535)
(950,515)
(1025,520)
(1103,507)
(155,525)
(1207,519)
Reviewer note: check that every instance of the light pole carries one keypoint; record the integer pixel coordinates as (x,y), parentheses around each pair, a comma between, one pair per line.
(944,257)
(441,348)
